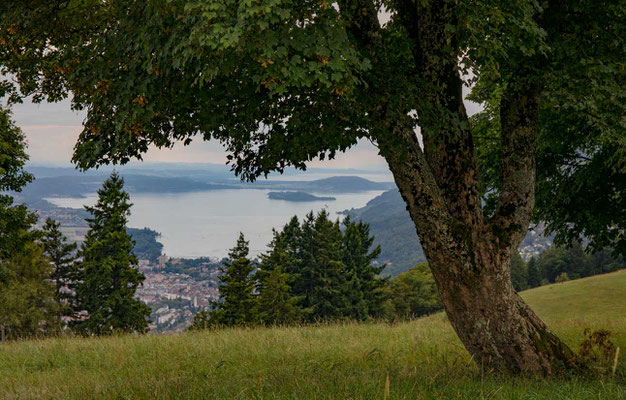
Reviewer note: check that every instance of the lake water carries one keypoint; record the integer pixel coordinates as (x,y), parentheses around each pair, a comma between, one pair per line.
(207,223)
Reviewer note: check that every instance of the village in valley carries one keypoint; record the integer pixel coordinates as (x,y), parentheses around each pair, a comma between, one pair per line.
(176,289)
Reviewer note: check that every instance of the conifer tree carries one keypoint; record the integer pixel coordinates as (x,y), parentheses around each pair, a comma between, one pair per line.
(365,294)
(534,275)
(327,286)
(27,303)
(302,285)
(108,272)
(62,257)
(237,304)
(276,305)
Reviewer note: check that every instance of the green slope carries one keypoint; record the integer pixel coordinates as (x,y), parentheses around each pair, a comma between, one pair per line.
(600,297)
(423,359)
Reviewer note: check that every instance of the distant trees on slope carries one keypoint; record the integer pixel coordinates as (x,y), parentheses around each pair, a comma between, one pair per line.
(316,271)
(561,263)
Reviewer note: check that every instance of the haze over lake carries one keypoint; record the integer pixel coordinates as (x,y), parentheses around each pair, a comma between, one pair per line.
(207,223)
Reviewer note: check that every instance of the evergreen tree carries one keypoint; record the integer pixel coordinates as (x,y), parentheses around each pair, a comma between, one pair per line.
(326,297)
(364,293)
(534,274)
(237,305)
(201,320)
(302,285)
(519,273)
(276,305)
(108,272)
(27,303)
(62,257)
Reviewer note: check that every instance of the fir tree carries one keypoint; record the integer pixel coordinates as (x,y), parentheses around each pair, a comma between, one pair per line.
(327,286)
(62,257)
(534,275)
(27,303)
(276,305)
(364,295)
(237,304)
(303,283)
(108,272)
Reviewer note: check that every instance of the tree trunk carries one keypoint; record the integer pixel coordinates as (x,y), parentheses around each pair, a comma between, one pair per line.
(491,319)
(471,259)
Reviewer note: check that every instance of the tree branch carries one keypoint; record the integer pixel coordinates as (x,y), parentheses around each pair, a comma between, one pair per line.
(519,111)
(447,138)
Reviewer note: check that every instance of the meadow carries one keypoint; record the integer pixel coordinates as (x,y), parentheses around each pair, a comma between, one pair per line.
(421,359)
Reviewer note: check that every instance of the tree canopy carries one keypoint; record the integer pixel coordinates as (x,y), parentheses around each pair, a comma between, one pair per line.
(281,82)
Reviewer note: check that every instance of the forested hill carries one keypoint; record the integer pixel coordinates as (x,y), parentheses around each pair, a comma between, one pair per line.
(391,224)
(394,231)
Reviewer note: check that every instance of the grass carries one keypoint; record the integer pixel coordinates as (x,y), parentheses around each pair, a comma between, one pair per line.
(423,359)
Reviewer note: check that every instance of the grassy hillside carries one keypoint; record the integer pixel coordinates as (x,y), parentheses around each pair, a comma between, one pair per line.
(423,359)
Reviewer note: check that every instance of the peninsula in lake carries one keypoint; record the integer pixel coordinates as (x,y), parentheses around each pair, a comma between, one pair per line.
(297,196)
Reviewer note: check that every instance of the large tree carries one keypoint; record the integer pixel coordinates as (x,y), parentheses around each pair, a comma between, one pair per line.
(280,82)
(108,273)
(27,303)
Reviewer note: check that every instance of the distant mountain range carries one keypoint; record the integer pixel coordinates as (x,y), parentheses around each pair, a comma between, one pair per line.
(67,182)
(395,232)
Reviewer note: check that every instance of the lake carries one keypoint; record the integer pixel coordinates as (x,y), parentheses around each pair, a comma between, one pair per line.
(207,223)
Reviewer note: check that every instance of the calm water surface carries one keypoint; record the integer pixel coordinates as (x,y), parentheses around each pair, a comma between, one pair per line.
(208,223)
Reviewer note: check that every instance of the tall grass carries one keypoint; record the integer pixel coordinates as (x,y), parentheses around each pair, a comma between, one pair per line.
(423,360)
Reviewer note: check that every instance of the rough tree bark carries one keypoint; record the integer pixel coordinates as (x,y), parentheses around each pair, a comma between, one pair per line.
(468,253)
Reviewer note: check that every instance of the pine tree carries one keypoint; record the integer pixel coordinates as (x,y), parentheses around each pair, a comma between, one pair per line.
(108,272)
(365,294)
(62,257)
(534,275)
(237,305)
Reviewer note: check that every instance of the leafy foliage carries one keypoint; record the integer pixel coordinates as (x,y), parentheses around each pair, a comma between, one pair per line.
(28,305)
(146,245)
(411,294)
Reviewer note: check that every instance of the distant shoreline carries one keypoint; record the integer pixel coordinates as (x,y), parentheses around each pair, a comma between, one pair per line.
(297,196)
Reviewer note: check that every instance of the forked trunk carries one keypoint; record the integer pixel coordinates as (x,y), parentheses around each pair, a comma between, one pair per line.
(471,259)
